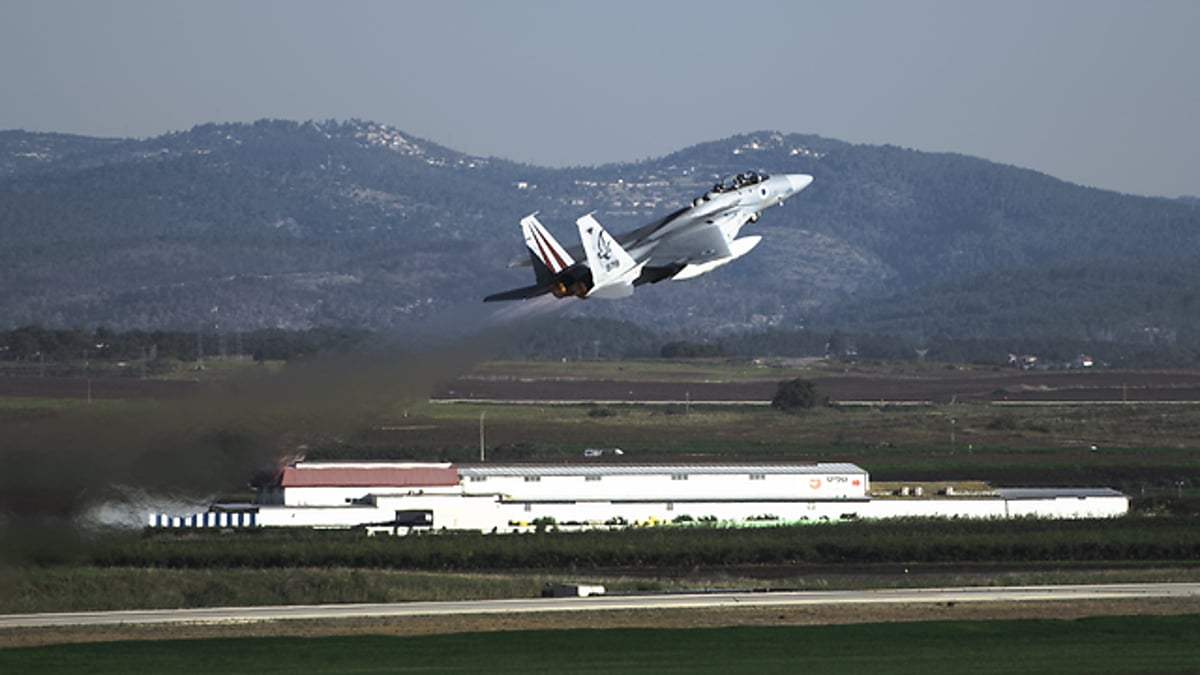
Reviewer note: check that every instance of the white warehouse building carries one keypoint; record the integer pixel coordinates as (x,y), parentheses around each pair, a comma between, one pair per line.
(398,496)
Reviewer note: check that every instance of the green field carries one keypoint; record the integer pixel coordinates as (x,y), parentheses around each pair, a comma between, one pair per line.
(77,589)
(263,567)
(1140,449)
(1149,644)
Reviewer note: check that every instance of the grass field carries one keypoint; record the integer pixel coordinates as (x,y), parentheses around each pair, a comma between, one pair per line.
(82,588)
(264,567)
(1137,448)
(978,428)
(1148,644)
(63,588)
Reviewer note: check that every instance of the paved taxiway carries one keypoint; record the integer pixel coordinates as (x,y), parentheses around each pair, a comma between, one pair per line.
(609,602)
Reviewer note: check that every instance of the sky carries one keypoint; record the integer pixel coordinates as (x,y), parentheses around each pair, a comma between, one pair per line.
(1103,93)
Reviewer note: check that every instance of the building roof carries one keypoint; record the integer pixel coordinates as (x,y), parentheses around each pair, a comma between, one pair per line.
(380,475)
(367,464)
(481,470)
(1057,493)
(403,474)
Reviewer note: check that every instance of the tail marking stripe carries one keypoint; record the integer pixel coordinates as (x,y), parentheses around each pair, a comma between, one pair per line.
(545,256)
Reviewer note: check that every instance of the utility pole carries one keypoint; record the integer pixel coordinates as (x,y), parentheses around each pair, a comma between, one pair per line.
(87,374)
(481,445)
(217,329)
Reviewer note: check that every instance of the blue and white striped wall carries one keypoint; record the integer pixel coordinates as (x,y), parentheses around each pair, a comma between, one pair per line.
(207,519)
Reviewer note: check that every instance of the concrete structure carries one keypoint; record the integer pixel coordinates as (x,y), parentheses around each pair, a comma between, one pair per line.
(398,497)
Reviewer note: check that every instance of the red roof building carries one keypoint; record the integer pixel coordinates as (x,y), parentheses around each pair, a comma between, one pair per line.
(416,476)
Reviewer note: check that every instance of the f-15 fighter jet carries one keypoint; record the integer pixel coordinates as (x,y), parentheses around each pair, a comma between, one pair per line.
(682,245)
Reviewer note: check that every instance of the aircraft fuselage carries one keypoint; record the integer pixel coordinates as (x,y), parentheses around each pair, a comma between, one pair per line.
(683,245)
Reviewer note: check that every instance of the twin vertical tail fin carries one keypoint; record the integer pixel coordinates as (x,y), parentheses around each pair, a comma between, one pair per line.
(548,256)
(551,265)
(609,273)
(613,269)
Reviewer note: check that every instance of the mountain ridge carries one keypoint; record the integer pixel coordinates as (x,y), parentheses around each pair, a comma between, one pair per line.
(298,224)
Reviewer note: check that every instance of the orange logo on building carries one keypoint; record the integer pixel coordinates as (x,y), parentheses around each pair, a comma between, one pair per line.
(814,483)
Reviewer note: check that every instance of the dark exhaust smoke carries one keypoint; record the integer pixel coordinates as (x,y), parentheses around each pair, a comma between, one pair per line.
(56,466)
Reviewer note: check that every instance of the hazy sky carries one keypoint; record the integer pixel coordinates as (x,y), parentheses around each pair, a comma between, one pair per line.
(1098,92)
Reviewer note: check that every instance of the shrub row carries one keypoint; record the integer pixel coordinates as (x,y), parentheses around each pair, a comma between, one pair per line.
(1130,539)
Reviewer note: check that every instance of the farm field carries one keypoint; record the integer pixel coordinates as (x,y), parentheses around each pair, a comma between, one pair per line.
(659,381)
(1130,430)
(920,421)
(1136,644)
(876,383)
(165,569)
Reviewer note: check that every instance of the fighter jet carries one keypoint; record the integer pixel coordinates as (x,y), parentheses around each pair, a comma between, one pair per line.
(682,245)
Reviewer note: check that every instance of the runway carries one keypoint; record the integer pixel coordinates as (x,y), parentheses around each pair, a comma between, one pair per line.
(219,615)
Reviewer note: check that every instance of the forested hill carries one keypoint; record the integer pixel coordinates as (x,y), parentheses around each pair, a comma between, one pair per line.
(287,224)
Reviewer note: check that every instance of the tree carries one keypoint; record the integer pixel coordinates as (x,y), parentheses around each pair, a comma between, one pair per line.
(794,396)
(683,349)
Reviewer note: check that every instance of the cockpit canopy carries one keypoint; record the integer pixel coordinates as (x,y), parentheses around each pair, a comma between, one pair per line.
(739,181)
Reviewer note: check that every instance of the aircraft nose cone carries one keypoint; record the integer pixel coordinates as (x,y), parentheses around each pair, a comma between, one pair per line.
(799,181)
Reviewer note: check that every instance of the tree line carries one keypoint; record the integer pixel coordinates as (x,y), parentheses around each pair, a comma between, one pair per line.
(38,344)
(583,338)
(1128,539)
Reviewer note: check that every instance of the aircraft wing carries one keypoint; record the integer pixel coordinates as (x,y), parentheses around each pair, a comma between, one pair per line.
(697,242)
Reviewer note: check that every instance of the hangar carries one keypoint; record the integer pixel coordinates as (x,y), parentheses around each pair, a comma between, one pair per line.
(402,496)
